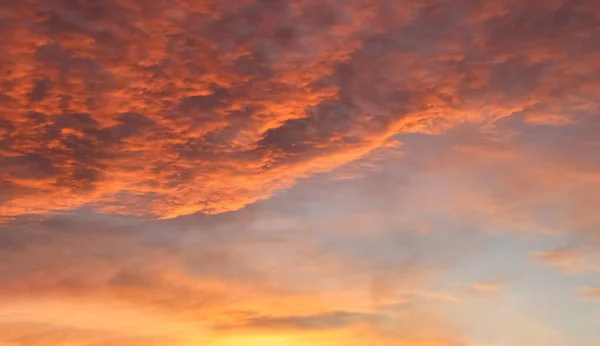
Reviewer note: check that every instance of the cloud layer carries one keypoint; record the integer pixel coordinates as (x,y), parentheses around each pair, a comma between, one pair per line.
(163,109)
(278,172)
(90,279)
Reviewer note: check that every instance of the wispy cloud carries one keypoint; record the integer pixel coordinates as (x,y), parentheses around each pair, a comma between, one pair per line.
(569,260)
(487,288)
(590,292)
(93,278)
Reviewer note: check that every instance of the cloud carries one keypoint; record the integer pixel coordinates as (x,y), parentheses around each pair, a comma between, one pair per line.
(45,324)
(151,110)
(483,288)
(324,321)
(433,295)
(569,260)
(92,279)
(135,108)
(591,292)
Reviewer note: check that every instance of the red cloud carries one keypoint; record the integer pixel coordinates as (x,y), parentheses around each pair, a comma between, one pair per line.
(136,107)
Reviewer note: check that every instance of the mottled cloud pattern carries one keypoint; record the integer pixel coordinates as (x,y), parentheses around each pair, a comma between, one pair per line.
(166,108)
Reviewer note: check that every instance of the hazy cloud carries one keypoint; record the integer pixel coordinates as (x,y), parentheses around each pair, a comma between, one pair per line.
(568,260)
(591,292)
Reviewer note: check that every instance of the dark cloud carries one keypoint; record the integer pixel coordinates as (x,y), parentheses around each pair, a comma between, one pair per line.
(324,321)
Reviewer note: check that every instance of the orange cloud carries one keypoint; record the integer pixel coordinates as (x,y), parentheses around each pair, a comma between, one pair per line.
(567,259)
(592,292)
(162,109)
(132,107)
(79,281)
(487,288)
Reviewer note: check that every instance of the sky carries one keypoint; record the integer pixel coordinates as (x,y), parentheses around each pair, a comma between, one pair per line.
(299,172)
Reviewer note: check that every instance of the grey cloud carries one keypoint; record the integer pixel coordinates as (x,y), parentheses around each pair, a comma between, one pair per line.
(325,321)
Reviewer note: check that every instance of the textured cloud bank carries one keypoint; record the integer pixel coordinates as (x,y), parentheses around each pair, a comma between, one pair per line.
(169,108)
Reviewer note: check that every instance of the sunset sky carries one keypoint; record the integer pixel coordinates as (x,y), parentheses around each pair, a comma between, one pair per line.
(299,172)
